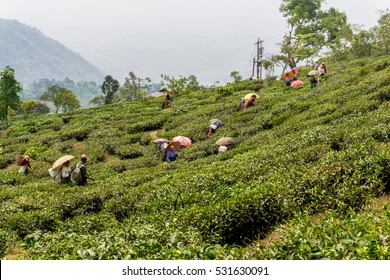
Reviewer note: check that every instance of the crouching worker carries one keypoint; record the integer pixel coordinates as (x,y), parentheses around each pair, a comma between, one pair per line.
(313,82)
(212,129)
(240,105)
(24,164)
(171,154)
(222,149)
(250,101)
(162,147)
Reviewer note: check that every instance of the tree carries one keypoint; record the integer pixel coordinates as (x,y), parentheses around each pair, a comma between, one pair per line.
(236,76)
(9,88)
(180,85)
(193,83)
(109,88)
(35,106)
(382,33)
(310,30)
(68,100)
(134,88)
(51,94)
(362,44)
(97,100)
(61,98)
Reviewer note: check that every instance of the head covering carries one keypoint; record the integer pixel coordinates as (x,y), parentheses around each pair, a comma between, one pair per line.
(84,156)
(222,149)
(164,90)
(213,126)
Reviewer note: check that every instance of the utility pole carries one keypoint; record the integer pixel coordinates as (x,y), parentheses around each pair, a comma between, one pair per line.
(259,59)
(253,67)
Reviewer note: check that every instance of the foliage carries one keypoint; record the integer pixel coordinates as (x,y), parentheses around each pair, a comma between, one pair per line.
(236,76)
(82,89)
(133,88)
(61,98)
(382,33)
(109,88)
(181,85)
(310,30)
(307,164)
(352,236)
(9,88)
(362,44)
(97,100)
(34,106)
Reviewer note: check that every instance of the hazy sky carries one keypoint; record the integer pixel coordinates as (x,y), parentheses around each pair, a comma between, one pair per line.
(207,38)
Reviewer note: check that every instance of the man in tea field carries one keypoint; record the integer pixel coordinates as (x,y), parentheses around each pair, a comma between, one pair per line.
(168,100)
(83,170)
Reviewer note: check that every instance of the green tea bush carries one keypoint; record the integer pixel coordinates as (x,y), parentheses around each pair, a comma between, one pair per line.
(129,151)
(4,242)
(24,223)
(331,236)
(298,152)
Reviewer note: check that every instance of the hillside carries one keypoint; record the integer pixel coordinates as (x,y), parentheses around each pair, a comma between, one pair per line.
(35,56)
(298,184)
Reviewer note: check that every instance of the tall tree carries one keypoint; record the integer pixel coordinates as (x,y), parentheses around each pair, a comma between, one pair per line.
(362,44)
(382,33)
(109,88)
(9,88)
(310,29)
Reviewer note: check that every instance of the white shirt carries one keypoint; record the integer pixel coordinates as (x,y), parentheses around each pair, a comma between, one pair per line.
(65,171)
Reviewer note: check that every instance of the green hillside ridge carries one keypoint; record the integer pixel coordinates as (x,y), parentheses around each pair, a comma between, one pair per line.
(35,56)
(306,167)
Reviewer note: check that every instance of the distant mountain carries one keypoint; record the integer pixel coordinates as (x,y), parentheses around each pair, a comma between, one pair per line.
(35,56)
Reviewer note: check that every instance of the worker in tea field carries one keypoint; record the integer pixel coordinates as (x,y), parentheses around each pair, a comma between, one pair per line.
(322,69)
(162,146)
(212,129)
(83,170)
(313,81)
(240,106)
(168,100)
(250,101)
(24,164)
(63,176)
(171,154)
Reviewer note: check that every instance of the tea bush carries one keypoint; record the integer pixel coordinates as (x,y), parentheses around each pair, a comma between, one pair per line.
(302,159)
(353,236)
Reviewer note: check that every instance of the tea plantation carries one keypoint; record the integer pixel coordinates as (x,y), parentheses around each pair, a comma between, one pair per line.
(298,184)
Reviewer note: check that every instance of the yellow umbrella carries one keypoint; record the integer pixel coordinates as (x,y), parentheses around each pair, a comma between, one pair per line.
(59,162)
(249,95)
